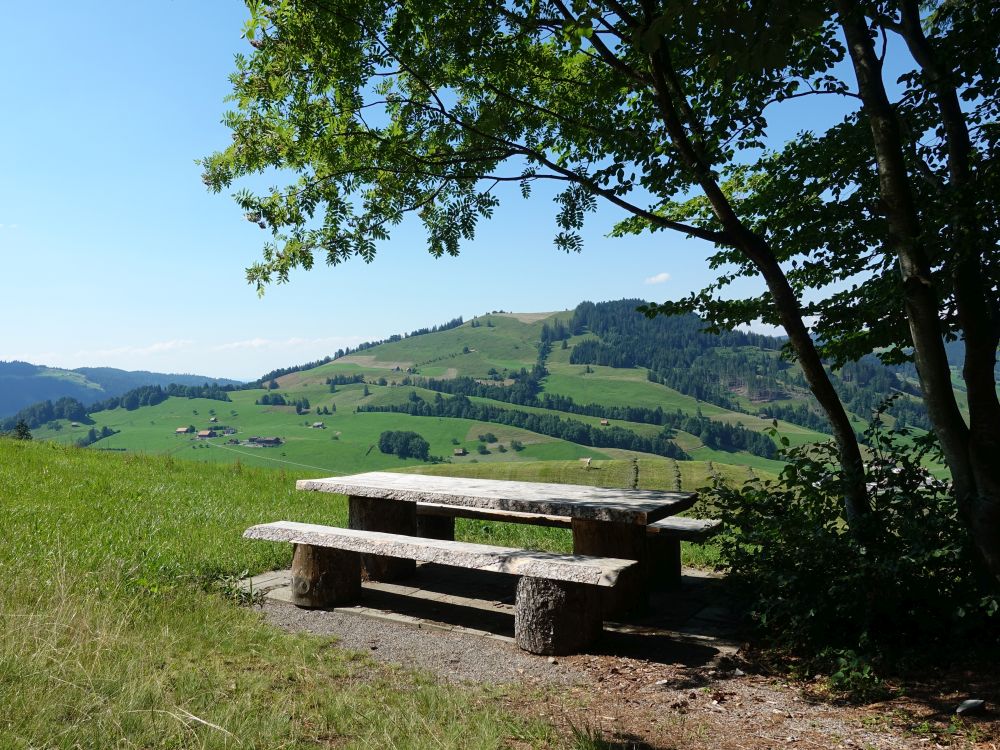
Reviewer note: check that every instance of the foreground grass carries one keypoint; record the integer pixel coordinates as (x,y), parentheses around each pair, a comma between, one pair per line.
(115,633)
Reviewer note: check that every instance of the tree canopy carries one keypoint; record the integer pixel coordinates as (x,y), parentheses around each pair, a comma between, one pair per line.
(883,228)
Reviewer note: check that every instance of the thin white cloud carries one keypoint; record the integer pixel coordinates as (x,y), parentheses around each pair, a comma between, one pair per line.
(660,278)
(296,342)
(158,347)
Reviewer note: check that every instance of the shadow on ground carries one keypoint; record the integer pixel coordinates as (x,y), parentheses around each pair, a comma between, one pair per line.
(692,626)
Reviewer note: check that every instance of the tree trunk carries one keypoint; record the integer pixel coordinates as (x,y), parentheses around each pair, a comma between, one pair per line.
(392,516)
(324,577)
(970,451)
(622,540)
(978,313)
(856,503)
(556,617)
(756,249)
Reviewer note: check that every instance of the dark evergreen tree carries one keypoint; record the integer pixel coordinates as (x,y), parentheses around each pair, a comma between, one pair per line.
(22,431)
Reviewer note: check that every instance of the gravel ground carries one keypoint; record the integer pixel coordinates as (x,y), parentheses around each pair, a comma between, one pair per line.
(451,656)
(664,700)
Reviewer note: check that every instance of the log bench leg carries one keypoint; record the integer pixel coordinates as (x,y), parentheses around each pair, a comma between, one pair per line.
(392,516)
(664,562)
(556,617)
(623,540)
(324,577)
(436,527)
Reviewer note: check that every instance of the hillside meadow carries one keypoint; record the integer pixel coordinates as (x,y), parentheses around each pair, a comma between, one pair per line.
(120,628)
(482,348)
(347,443)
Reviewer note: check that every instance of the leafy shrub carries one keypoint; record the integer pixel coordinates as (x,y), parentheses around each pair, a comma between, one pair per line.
(899,581)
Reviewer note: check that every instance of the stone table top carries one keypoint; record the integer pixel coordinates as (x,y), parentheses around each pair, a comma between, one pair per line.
(571,500)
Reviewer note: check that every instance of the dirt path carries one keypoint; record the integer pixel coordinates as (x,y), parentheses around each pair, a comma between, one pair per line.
(671,681)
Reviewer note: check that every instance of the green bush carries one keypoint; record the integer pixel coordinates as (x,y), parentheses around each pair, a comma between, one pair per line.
(896,583)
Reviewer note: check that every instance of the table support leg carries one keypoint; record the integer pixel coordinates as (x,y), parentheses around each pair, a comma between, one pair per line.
(622,540)
(436,527)
(392,516)
(556,617)
(664,562)
(324,577)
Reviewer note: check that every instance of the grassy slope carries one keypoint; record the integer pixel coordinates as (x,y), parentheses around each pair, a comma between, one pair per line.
(631,387)
(115,634)
(344,447)
(510,342)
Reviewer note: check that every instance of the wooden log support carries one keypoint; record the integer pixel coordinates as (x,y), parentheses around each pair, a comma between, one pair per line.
(435,527)
(664,562)
(664,547)
(556,617)
(324,577)
(377,514)
(487,514)
(622,540)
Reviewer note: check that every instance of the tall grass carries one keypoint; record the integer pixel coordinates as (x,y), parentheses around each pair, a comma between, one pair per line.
(113,632)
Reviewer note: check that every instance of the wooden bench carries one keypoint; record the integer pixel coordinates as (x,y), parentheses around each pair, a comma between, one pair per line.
(558,604)
(663,537)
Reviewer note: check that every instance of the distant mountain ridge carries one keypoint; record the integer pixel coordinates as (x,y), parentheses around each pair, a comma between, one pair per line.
(24,383)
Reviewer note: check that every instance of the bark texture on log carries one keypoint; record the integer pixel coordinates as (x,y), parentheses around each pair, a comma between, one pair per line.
(375,514)
(555,617)
(324,577)
(622,540)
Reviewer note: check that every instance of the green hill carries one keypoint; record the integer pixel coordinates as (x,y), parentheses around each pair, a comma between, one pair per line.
(600,381)
(23,384)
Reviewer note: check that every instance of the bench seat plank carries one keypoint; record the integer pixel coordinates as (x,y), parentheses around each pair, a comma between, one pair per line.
(686,529)
(575,501)
(595,571)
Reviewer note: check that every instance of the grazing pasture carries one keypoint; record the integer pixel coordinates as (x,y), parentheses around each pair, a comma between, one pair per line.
(121,626)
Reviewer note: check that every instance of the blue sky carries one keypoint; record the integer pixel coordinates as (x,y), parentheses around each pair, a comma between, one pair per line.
(114,254)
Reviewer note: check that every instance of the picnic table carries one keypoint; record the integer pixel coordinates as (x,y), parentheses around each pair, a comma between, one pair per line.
(605,522)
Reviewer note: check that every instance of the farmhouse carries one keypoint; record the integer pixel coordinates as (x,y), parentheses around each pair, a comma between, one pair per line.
(265,441)
(318,426)
(604,423)
(202,434)
(460,452)
(182,430)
